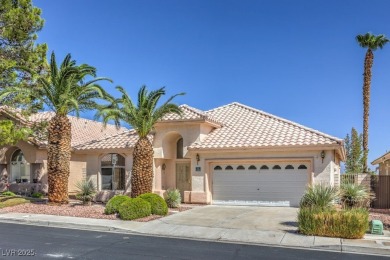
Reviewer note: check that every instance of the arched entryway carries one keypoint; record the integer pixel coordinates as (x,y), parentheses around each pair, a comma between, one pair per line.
(175,168)
(20,168)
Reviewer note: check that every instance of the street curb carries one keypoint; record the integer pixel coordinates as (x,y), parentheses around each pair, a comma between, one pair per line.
(64,225)
(333,248)
(365,250)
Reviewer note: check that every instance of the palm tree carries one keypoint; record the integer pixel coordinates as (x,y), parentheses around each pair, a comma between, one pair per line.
(64,91)
(371,42)
(142,117)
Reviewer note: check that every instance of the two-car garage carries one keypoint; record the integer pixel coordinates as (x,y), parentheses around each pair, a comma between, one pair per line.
(263,183)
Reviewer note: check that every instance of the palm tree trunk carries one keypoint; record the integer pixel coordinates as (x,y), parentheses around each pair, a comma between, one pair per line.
(58,158)
(368,61)
(142,172)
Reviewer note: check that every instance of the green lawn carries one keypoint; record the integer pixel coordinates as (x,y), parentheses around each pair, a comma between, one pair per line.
(12,201)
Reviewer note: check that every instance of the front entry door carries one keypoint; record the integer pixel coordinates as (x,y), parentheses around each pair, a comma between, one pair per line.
(183,178)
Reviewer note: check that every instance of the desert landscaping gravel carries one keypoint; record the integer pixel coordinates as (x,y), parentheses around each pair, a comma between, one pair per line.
(72,209)
(382,215)
(76,209)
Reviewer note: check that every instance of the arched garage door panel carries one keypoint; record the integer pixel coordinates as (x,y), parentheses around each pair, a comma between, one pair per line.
(285,186)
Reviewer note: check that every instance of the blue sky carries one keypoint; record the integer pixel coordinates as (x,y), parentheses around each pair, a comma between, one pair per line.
(295,59)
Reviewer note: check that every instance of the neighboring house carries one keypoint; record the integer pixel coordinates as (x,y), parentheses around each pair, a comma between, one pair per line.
(231,154)
(384,164)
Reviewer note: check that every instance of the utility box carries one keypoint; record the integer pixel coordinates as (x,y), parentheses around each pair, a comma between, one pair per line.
(376,227)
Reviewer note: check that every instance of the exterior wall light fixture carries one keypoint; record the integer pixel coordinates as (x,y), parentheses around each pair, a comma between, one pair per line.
(322,156)
(197,158)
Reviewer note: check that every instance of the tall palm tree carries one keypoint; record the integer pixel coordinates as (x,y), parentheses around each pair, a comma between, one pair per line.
(64,92)
(142,117)
(371,42)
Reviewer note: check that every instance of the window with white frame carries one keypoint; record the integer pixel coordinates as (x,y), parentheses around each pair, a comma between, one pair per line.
(113,172)
(20,168)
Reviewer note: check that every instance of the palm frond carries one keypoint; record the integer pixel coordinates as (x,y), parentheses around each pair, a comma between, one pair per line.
(143,116)
(372,41)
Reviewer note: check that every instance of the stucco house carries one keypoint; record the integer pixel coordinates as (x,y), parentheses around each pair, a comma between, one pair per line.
(383,162)
(233,154)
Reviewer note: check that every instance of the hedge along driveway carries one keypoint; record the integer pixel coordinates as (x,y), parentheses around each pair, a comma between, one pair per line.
(238,217)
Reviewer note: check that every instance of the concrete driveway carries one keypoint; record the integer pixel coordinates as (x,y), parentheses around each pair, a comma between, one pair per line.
(238,217)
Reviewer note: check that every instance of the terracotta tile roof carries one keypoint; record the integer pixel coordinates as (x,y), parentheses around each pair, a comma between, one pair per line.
(239,126)
(190,113)
(246,127)
(125,139)
(83,130)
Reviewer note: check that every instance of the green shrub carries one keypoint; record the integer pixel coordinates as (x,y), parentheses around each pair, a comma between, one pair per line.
(158,204)
(319,196)
(354,195)
(10,202)
(87,190)
(37,195)
(173,198)
(134,208)
(351,223)
(8,193)
(113,204)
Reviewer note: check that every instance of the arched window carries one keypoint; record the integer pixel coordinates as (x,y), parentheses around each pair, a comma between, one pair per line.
(276,167)
(229,168)
(302,167)
(217,168)
(252,167)
(179,149)
(264,167)
(240,167)
(113,172)
(289,167)
(20,168)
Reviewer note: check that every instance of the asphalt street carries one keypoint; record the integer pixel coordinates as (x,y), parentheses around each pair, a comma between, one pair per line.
(33,242)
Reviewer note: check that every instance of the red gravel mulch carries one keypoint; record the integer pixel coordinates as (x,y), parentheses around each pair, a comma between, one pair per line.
(382,215)
(76,209)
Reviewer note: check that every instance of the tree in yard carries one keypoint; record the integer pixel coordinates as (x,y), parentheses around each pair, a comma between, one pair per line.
(142,117)
(19,23)
(11,133)
(353,147)
(371,42)
(64,92)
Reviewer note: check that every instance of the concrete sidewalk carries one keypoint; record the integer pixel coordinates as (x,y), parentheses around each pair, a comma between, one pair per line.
(369,245)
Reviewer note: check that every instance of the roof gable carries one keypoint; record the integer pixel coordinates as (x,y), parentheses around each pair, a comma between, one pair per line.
(190,114)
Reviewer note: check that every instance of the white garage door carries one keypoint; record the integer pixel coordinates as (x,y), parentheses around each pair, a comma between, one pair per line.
(278,184)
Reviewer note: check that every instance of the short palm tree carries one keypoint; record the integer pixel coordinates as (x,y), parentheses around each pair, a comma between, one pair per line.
(64,92)
(142,117)
(371,42)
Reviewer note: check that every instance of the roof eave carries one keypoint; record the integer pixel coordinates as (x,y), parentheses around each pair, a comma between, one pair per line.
(381,158)
(284,147)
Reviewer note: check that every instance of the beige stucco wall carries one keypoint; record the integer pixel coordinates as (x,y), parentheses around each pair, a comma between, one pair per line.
(78,171)
(320,171)
(167,134)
